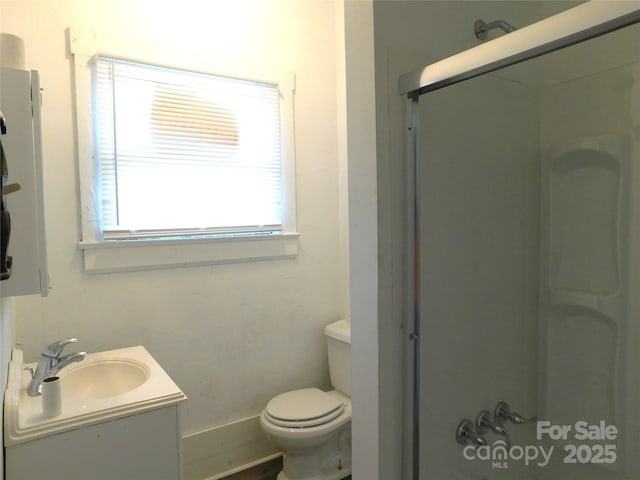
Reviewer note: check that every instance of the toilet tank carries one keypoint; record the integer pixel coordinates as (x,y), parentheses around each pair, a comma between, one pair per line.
(339,352)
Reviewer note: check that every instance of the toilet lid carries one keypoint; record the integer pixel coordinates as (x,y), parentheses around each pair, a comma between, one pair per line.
(303,408)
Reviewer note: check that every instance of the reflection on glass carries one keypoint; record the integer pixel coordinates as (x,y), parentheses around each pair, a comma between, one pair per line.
(530,265)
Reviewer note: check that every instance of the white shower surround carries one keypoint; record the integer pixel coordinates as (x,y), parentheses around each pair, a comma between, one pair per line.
(432,77)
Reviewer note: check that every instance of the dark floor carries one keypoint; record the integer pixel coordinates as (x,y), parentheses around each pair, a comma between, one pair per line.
(265,471)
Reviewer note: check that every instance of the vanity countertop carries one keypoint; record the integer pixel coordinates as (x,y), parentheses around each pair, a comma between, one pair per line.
(23,417)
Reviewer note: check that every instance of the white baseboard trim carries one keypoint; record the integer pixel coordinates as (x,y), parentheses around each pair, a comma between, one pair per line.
(244,467)
(221,451)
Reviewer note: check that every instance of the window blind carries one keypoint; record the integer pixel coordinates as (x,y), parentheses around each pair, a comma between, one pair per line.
(184,153)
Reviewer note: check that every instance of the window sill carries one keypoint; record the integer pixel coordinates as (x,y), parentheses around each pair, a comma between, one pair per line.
(132,255)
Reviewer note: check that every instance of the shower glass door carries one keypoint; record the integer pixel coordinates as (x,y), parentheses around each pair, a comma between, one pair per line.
(530,268)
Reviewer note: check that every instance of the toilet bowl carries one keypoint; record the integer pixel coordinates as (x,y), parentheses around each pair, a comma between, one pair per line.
(313,430)
(312,427)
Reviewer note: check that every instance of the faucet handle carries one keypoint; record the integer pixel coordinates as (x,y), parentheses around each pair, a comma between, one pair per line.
(502,413)
(465,434)
(484,422)
(55,349)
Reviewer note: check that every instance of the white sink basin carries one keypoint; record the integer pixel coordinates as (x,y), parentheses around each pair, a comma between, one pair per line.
(102,387)
(99,379)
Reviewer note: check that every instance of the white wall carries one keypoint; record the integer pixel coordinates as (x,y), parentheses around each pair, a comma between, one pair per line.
(363,251)
(231,336)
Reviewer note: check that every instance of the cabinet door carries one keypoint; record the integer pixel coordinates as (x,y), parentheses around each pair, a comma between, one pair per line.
(20,104)
(143,446)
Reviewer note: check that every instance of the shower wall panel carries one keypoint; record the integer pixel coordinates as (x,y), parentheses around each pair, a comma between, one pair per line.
(587,310)
(585,209)
(584,308)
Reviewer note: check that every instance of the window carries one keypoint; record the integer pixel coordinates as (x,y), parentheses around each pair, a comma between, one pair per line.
(180,167)
(184,153)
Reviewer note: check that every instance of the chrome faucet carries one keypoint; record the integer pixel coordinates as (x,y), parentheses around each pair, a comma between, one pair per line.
(51,363)
(503,413)
(465,434)
(485,422)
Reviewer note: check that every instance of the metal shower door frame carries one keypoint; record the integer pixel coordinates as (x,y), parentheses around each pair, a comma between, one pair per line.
(580,23)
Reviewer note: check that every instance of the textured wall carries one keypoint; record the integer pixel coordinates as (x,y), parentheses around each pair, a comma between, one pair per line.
(232,336)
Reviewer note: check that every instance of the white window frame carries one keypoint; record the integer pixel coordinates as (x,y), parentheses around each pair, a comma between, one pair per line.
(102,256)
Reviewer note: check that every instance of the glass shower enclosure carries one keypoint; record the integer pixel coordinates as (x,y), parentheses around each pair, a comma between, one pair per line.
(523,161)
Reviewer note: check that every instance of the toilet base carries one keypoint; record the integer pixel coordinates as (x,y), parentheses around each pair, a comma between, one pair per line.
(331,462)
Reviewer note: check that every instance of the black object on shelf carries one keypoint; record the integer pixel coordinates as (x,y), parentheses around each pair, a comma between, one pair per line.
(6,261)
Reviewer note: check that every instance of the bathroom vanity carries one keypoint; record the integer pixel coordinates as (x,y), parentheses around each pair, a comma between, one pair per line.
(120,420)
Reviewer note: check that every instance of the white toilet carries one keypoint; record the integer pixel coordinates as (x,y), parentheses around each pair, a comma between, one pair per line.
(312,427)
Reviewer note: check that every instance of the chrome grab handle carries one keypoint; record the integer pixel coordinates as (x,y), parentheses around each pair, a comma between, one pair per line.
(502,413)
(465,435)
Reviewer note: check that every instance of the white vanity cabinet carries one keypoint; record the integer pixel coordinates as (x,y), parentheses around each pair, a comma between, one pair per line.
(119,420)
(138,447)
